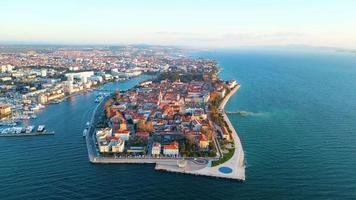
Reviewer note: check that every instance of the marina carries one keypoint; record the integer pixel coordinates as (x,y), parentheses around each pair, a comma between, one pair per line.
(24,131)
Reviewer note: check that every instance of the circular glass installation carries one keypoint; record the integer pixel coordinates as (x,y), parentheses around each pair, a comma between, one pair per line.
(225,170)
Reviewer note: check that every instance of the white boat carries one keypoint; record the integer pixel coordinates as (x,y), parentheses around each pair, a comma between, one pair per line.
(87,124)
(99,98)
(17,130)
(41,128)
(29,129)
(85,132)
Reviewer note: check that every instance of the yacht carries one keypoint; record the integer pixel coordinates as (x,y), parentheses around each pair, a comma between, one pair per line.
(41,128)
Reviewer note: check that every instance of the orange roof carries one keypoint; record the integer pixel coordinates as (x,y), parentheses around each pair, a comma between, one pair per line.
(203,138)
(173,145)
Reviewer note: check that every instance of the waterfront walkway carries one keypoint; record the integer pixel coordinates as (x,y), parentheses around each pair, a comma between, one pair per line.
(234,168)
(235,165)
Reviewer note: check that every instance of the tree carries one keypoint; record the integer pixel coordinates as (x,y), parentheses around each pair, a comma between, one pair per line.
(117,95)
(107,105)
(149,127)
(141,125)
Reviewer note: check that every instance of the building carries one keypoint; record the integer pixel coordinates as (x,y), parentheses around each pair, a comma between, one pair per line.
(6,68)
(102,134)
(122,131)
(226,134)
(203,142)
(171,149)
(124,135)
(5,110)
(117,145)
(156,149)
(83,76)
(42,99)
(142,134)
(104,147)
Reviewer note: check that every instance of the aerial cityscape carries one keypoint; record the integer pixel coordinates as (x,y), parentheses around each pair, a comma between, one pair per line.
(175,119)
(177,99)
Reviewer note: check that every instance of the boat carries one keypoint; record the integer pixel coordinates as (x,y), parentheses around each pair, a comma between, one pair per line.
(23,130)
(41,128)
(87,124)
(8,123)
(85,132)
(17,130)
(29,129)
(98,99)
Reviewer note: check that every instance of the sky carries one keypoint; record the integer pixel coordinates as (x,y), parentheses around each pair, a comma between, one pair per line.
(193,23)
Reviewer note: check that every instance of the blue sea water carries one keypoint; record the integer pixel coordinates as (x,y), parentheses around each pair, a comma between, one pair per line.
(299,138)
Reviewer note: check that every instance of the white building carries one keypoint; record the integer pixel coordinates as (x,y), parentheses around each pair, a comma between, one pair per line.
(117,145)
(104,147)
(171,149)
(124,134)
(6,68)
(83,76)
(156,149)
(102,134)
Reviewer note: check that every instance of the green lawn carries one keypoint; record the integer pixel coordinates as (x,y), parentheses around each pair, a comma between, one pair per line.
(226,157)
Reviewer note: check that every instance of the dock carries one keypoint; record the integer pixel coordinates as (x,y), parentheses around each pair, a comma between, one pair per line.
(27,134)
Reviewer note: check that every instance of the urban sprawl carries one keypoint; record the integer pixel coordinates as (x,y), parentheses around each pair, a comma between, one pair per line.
(176,114)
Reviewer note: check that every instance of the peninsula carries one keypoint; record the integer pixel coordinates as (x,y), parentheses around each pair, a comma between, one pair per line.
(176,121)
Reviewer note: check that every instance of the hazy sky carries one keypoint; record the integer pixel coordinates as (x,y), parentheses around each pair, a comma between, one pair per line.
(209,23)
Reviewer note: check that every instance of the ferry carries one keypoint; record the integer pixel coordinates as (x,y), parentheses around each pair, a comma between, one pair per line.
(41,128)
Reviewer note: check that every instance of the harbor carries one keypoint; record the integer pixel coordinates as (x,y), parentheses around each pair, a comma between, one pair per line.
(24,131)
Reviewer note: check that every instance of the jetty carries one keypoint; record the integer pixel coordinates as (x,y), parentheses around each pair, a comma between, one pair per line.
(234,168)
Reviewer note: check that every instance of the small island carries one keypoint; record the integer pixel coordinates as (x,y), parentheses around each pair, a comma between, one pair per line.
(175,120)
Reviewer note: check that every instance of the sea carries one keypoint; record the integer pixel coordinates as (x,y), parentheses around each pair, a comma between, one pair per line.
(299,137)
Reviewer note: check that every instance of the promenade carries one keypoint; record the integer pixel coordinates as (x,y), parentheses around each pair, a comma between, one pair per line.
(199,166)
(236,163)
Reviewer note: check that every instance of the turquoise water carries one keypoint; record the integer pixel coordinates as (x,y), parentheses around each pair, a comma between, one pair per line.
(299,139)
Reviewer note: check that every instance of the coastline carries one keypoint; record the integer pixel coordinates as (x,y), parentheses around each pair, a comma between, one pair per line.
(236,162)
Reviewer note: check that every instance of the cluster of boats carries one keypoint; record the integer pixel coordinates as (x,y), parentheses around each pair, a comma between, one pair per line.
(100,97)
(9,123)
(22,131)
